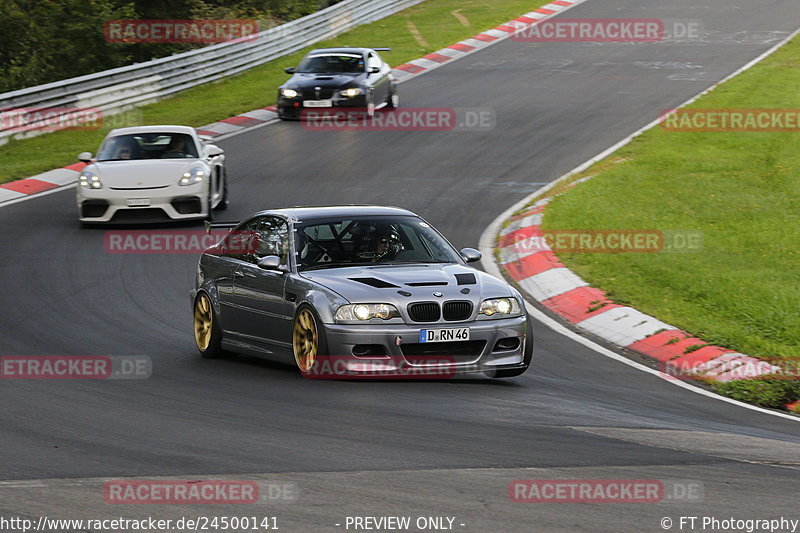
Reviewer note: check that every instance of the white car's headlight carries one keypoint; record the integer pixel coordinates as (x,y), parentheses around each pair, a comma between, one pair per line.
(500,307)
(351,312)
(195,175)
(90,181)
(349,93)
(289,93)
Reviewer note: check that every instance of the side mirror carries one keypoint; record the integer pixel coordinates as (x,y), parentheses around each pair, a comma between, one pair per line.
(290,70)
(470,255)
(270,262)
(85,157)
(212,150)
(374,70)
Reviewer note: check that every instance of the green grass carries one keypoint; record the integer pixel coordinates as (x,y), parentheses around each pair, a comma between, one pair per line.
(741,190)
(434,19)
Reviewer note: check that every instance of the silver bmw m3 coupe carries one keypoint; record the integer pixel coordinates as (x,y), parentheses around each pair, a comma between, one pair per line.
(356,291)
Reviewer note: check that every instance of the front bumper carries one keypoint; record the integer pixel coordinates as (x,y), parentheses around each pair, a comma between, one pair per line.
(168,203)
(371,350)
(292,108)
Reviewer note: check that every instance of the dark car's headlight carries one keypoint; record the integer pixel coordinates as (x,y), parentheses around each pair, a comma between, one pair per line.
(88,180)
(289,93)
(360,312)
(355,91)
(499,307)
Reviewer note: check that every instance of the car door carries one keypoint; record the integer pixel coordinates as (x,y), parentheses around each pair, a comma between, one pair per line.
(265,313)
(236,252)
(378,80)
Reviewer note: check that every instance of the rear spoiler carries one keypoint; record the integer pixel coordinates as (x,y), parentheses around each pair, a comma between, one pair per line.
(219,225)
(382,49)
(206,138)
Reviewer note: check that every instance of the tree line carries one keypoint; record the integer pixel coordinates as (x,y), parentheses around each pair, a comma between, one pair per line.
(50,40)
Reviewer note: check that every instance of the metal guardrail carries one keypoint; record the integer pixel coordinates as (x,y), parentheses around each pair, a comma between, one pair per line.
(120,89)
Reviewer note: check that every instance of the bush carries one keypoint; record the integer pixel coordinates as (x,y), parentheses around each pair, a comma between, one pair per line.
(764,392)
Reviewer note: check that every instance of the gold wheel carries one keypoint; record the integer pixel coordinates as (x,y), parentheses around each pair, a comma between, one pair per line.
(305,340)
(203,322)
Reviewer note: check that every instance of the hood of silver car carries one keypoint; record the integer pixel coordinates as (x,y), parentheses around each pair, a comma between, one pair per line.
(403,284)
(142,173)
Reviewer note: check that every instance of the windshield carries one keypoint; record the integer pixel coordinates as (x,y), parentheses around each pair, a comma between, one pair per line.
(148,146)
(332,64)
(370,241)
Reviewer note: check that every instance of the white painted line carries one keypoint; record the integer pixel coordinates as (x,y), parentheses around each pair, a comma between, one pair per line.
(424,63)
(500,34)
(58,176)
(6,195)
(449,52)
(260,114)
(220,127)
(478,44)
(622,325)
(552,283)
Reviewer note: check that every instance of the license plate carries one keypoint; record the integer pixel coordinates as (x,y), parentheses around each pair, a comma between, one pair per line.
(444,335)
(138,202)
(318,103)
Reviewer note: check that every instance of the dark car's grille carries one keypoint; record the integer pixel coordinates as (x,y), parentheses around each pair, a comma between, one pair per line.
(457,310)
(454,349)
(325,93)
(424,312)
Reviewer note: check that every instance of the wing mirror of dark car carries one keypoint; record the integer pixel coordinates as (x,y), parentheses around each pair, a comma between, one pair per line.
(86,157)
(270,262)
(470,255)
(290,70)
(213,150)
(374,70)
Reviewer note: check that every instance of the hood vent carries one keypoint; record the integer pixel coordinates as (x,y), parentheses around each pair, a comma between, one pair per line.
(374,282)
(466,279)
(427,283)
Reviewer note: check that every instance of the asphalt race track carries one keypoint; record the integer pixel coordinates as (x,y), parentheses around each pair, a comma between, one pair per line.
(380,448)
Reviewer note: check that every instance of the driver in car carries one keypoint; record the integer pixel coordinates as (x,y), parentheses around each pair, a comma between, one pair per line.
(386,245)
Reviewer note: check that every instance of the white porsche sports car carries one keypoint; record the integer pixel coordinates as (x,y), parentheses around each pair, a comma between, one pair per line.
(152,174)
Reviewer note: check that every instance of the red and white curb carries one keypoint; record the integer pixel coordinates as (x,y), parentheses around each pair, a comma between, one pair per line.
(526,258)
(52,179)
(68,175)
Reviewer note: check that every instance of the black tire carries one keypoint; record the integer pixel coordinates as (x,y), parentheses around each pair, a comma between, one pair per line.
(305,366)
(210,348)
(225,201)
(527,356)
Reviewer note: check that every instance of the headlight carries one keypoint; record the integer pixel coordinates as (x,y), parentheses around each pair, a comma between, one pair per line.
(502,307)
(89,181)
(289,93)
(352,92)
(195,175)
(353,312)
